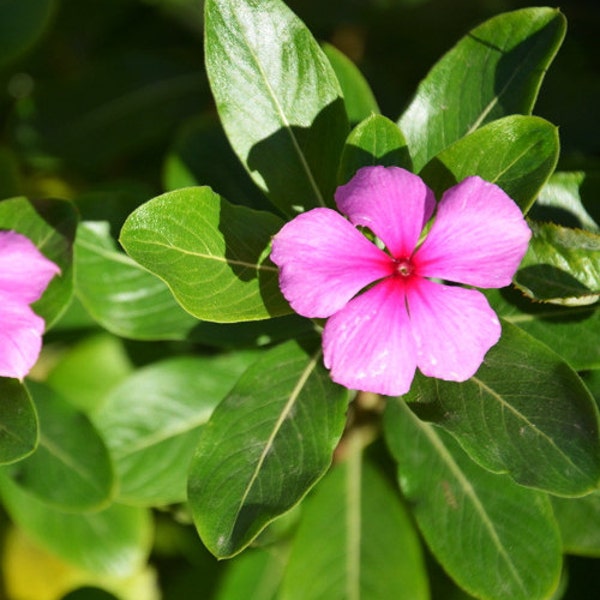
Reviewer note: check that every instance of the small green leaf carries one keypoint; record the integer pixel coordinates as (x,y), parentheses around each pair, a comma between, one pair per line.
(368,547)
(18,422)
(375,141)
(124,298)
(494,71)
(264,447)
(114,542)
(51,225)
(561,202)
(280,102)
(152,421)
(358,97)
(210,253)
(525,413)
(507,531)
(561,266)
(71,469)
(517,153)
(579,522)
(572,332)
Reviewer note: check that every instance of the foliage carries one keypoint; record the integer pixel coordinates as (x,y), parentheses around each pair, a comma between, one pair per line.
(180,412)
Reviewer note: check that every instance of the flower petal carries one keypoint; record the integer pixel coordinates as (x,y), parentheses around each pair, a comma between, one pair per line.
(478,237)
(20,338)
(324,261)
(368,344)
(453,328)
(24,271)
(392,202)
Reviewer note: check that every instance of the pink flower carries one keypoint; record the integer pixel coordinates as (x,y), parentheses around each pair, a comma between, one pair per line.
(24,275)
(388,310)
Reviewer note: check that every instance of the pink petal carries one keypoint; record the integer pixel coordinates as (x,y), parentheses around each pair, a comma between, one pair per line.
(20,338)
(453,328)
(324,261)
(478,237)
(368,344)
(393,203)
(24,271)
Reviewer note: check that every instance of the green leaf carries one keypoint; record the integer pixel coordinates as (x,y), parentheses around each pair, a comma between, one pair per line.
(50,225)
(124,298)
(572,332)
(517,153)
(21,25)
(561,202)
(494,71)
(255,574)
(367,545)
(18,422)
(525,412)
(210,253)
(152,421)
(579,522)
(561,266)
(71,469)
(201,155)
(264,447)
(358,97)
(497,539)
(278,99)
(114,542)
(375,141)
(89,369)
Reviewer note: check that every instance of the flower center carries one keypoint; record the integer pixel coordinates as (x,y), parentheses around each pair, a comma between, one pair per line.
(404,267)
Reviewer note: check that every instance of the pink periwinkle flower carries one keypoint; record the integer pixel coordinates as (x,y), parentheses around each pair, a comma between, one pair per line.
(389,310)
(24,275)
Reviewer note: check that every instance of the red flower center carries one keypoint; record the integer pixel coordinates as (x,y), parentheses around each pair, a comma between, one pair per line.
(403,267)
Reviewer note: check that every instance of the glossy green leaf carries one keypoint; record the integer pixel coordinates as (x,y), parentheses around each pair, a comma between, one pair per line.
(280,103)
(210,253)
(358,97)
(122,296)
(517,153)
(525,412)
(561,266)
(367,544)
(264,446)
(572,332)
(561,201)
(507,531)
(255,574)
(22,23)
(114,542)
(51,225)
(152,421)
(71,469)
(375,141)
(18,421)
(201,155)
(89,369)
(494,71)
(579,522)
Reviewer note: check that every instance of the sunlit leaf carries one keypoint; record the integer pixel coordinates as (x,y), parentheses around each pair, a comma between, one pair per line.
(264,447)
(280,103)
(210,253)
(494,71)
